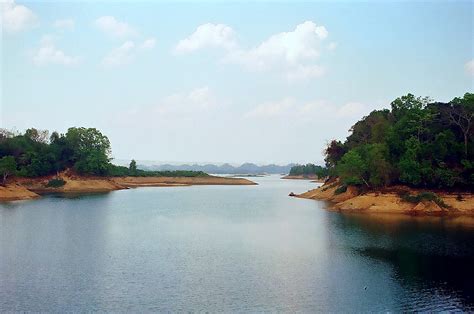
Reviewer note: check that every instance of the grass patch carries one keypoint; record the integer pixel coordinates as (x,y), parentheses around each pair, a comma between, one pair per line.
(424,196)
(55,183)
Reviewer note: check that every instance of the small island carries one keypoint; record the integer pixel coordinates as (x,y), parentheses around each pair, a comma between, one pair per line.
(416,158)
(36,163)
(309,171)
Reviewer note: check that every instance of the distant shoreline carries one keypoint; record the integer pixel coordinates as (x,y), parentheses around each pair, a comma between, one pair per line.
(313,178)
(25,189)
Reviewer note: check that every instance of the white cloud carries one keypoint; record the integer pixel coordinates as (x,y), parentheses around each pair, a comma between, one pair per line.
(64,24)
(469,66)
(197,100)
(15,17)
(148,44)
(121,55)
(48,53)
(292,53)
(284,49)
(112,27)
(125,53)
(208,36)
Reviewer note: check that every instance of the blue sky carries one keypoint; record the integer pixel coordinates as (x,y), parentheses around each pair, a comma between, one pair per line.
(214,82)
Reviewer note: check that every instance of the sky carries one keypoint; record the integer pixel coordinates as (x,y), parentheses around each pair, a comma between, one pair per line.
(264,82)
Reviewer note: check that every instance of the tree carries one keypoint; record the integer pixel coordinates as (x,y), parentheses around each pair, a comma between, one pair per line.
(90,149)
(309,169)
(409,166)
(406,103)
(378,168)
(39,136)
(334,152)
(371,129)
(133,167)
(461,114)
(352,168)
(7,167)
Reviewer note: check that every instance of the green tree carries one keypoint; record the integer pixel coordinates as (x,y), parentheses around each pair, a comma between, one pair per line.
(461,114)
(378,168)
(90,149)
(352,168)
(409,166)
(7,167)
(133,167)
(94,162)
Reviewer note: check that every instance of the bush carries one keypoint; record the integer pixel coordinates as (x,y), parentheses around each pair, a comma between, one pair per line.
(55,183)
(424,196)
(341,189)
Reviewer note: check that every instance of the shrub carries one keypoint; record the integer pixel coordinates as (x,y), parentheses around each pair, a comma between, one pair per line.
(55,183)
(341,189)
(424,196)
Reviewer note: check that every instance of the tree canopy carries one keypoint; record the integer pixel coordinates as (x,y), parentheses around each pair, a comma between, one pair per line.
(86,150)
(418,142)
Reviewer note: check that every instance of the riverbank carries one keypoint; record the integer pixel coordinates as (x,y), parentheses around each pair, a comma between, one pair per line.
(131,182)
(391,200)
(26,188)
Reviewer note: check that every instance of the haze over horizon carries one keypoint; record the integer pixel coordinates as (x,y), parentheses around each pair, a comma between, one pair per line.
(184,81)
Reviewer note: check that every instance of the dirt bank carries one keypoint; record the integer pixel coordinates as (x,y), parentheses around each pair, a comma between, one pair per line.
(24,188)
(13,192)
(390,201)
(179,181)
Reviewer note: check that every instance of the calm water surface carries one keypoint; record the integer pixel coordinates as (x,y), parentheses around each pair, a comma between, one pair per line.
(227,248)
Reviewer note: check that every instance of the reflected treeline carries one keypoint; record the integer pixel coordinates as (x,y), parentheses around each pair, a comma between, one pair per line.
(449,275)
(425,252)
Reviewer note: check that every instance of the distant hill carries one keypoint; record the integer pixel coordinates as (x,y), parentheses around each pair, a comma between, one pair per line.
(246,168)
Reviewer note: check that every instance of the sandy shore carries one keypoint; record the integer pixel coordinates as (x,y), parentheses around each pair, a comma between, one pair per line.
(24,188)
(179,181)
(390,202)
(13,192)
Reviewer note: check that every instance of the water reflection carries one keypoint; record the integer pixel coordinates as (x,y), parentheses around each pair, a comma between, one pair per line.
(432,257)
(223,249)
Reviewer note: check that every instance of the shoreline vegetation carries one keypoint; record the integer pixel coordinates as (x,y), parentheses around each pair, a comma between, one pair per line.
(417,158)
(35,163)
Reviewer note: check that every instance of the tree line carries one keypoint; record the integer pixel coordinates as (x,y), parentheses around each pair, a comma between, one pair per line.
(309,170)
(36,153)
(417,142)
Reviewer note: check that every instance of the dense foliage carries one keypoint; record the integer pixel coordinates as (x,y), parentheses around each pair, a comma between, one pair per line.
(309,170)
(86,150)
(417,143)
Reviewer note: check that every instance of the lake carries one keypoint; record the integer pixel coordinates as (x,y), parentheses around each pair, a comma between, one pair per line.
(227,248)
